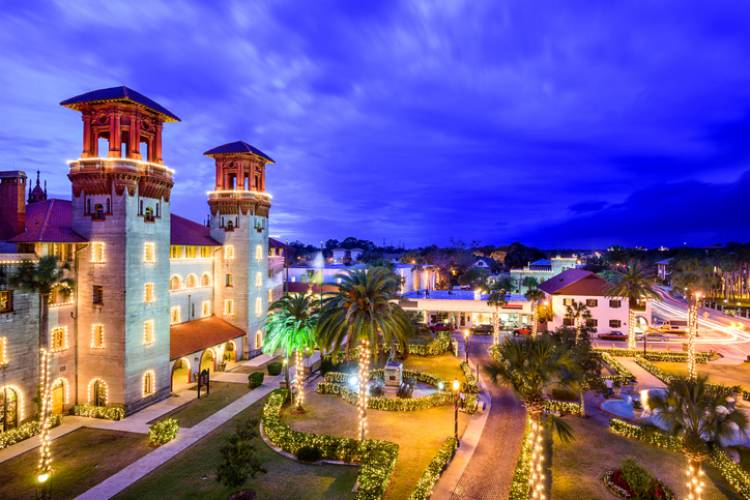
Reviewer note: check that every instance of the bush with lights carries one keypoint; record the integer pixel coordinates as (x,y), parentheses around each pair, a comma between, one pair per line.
(471,384)
(563,407)
(622,375)
(423,489)
(105,412)
(437,346)
(163,431)
(377,458)
(519,486)
(673,356)
(666,378)
(25,431)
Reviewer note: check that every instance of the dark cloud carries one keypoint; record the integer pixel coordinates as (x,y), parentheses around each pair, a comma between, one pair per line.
(587,206)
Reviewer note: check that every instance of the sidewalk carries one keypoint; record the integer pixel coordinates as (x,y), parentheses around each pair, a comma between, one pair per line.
(185,438)
(644,378)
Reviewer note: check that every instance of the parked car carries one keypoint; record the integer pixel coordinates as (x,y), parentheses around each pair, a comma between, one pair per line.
(524,330)
(441,327)
(613,335)
(482,329)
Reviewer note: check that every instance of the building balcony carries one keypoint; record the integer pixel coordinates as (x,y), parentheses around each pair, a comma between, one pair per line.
(238,195)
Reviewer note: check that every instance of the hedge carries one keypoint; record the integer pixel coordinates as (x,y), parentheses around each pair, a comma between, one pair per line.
(424,377)
(163,431)
(105,412)
(675,356)
(437,346)
(563,407)
(430,476)
(440,398)
(377,458)
(732,473)
(25,431)
(667,378)
(622,375)
(471,379)
(519,487)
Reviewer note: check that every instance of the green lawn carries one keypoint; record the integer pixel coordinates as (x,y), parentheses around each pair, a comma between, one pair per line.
(578,466)
(191,474)
(222,393)
(80,460)
(419,434)
(445,366)
(717,373)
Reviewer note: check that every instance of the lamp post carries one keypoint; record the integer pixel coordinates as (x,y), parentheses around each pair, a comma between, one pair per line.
(456,386)
(466,344)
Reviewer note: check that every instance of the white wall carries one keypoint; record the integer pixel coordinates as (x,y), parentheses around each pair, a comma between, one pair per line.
(602,312)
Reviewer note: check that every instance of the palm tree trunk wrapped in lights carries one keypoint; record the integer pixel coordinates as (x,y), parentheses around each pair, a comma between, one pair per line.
(635,285)
(363,388)
(631,328)
(535,443)
(299,379)
(695,483)
(45,458)
(692,333)
(495,328)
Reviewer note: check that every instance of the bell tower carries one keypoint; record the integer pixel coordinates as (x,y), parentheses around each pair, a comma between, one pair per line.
(121,205)
(239,220)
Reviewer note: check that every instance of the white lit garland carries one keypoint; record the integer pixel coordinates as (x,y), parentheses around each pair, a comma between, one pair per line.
(299,372)
(693,301)
(695,482)
(536,465)
(45,457)
(364,378)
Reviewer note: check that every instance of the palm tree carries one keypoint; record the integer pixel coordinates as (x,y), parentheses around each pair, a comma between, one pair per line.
(45,277)
(579,314)
(497,298)
(362,314)
(634,284)
(698,416)
(694,278)
(291,327)
(532,367)
(535,296)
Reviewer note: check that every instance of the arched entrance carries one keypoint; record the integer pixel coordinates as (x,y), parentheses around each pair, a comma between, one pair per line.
(98,392)
(58,396)
(8,409)
(180,374)
(208,361)
(230,352)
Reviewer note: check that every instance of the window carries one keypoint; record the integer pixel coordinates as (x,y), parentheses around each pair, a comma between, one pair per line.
(258,279)
(567,302)
(228,280)
(97,251)
(592,302)
(206,308)
(592,323)
(205,279)
(568,322)
(175,252)
(229,252)
(6,301)
(191,281)
(174,315)
(258,306)
(191,252)
(3,351)
(149,252)
(270,295)
(258,252)
(175,282)
(148,293)
(148,332)
(148,383)
(205,252)
(97,336)
(97,295)
(615,323)
(614,304)
(59,338)
(258,339)
(228,307)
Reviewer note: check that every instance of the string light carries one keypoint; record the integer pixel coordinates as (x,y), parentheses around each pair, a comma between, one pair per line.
(364,377)
(695,483)
(536,475)
(45,457)
(299,371)
(692,331)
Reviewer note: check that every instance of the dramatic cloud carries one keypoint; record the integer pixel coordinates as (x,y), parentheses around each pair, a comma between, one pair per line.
(413,122)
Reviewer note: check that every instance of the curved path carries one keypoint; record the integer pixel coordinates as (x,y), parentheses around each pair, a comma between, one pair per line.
(490,471)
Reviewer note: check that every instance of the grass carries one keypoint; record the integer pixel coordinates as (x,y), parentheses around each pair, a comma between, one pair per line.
(192,473)
(80,460)
(419,434)
(222,393)
(445,366)
(717,373)
(577,466)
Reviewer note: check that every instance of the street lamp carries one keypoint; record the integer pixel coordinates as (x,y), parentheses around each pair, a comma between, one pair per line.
(466,344)
(456,387)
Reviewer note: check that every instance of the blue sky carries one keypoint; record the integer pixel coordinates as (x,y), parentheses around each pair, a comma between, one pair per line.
(555,123)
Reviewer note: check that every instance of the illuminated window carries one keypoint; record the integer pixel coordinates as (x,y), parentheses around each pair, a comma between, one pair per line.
(97,336)
(97,251)
(258,339)
(149,252)
(148,383)
(270,295)
(205,252)
(59,338)
(175,282)
(148,332)
(191,252)
(191,281)
(228,307)
(228,281)
(258,279)
(174,315)
(3,351)
(175,252)
(229,252)
(98,392)
(205,279)
(258,252)
(148,293)
(206,308)
(6,301)
(258,306)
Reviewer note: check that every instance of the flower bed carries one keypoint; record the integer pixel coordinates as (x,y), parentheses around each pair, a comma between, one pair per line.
(519,487)
(423,489)
(622,375)
(105,412)
(377,458)
(676,356)
(616,481)
(25,431)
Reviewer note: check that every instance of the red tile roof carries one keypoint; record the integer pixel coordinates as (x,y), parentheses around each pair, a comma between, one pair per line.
(186,232)
(194,336)
(576,282)
(300,287)
(49,221)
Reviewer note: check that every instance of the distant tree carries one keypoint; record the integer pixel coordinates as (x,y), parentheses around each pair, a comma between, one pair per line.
(240,458)
(475,277)
(579,314)
(519,255)
(636,285)
(535,296)
(497,298)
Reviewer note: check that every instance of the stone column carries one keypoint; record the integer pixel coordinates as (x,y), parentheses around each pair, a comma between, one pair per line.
(134,144)
(156,156)
(114,135)
(86,153)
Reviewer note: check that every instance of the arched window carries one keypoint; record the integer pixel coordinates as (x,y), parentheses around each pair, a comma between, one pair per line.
(8,408)
(191,281)
(205,279)
(175,282)
(148,383)
(98,392)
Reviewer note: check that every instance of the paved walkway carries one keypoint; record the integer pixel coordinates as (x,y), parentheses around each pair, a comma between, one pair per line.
(185,438)
(644,378)
(489,473)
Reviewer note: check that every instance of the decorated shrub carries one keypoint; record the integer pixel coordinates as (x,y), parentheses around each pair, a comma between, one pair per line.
(632,481)
(255,379)
(274,368)
(25,431)
(423,489)
(309,454)
(163,431)
(105,412)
